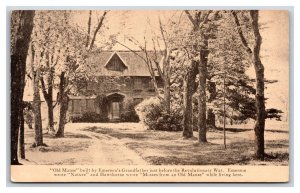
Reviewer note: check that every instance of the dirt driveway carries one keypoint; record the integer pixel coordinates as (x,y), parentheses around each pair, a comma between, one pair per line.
(80,146)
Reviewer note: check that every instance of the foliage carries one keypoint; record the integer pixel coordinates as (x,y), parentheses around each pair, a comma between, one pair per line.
(129,113)
(90,117)
(151,113)
(101,101)
(273,114)
(59,46)
(227,67)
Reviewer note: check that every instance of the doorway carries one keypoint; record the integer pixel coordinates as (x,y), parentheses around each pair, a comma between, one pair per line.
(115,110)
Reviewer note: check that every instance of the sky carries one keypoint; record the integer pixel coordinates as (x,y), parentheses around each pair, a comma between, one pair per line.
(275,57)
(274,53)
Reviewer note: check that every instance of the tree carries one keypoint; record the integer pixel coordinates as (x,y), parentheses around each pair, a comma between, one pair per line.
(21,138)
(180,69)
(38,127)
(49,24)
(25,117)
(46,47)
(227,67)
(47,79)
(190,87)
(63,100)
(158,60)
(75,69)
(254,57)
(71,71)
(90,43)
(150,58)
(227,58)
(43,60)
(21,29)
(201,29)
(48,96)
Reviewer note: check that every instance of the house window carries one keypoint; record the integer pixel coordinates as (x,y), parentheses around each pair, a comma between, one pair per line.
(90,105)
(151,86)
(138,83)
(76,106)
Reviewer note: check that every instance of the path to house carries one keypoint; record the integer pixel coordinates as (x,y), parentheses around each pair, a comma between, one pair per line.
(80,147)
(106,150)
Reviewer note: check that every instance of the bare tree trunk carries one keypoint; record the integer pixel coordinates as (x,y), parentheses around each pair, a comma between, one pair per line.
(259,128)
(188,109)
(63,100)
(62,117)
(50,116)
(23,21)
(49,99)
(259,97)
(211,117)
(167,95)
(100,23)
(198,21)
(89,29)
(21,139)
(38,127)
(231,119)
(166,79)
(224,109)
(166,70)
(202,127)
(189,90)
(202,104)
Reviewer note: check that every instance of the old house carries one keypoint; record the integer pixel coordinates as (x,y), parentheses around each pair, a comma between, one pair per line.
(122,78)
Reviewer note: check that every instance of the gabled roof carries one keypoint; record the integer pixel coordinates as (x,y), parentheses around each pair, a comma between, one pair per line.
(136,66)
(115,53)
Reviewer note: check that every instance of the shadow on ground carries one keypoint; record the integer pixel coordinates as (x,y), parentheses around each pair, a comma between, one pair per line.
(169,148)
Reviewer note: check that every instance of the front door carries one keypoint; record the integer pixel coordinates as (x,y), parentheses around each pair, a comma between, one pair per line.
(115,110)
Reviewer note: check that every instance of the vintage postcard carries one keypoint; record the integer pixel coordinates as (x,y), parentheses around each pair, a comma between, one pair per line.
(149,95)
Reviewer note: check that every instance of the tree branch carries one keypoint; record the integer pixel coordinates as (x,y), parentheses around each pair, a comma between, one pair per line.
(190,17)
(46,96)
(132,51)
(100,24)
(89,29)
(255,27)
(205,19)
(240,32)
(164,38)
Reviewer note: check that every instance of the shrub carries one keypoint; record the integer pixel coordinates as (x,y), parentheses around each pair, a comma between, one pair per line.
(129,115)
(152,114)
(90,117)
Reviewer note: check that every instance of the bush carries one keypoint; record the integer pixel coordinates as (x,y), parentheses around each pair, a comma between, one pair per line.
(129,115)
(151,113)
(90,117)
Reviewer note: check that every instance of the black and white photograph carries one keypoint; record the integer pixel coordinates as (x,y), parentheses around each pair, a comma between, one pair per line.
(193,95)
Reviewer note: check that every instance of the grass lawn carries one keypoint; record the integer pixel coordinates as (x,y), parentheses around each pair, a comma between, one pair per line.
(161,148)
(125,143)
